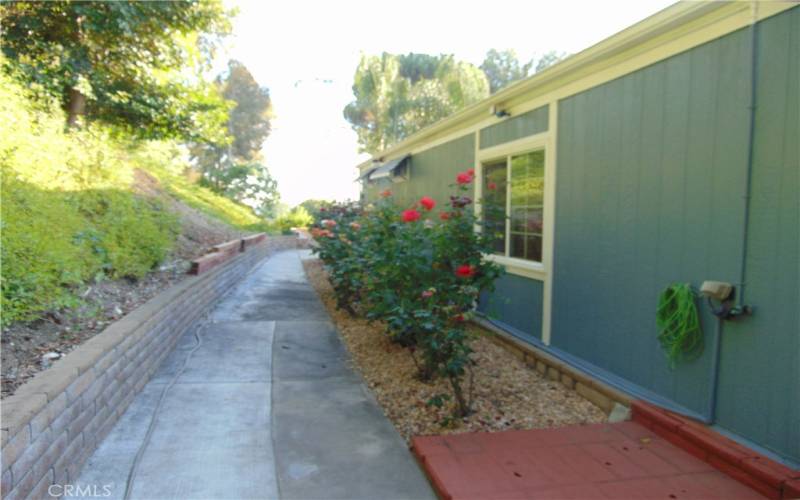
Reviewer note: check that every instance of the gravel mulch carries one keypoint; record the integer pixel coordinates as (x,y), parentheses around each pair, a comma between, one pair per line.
(507,394)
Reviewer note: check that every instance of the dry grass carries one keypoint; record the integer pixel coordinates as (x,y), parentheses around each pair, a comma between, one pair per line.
(507,393)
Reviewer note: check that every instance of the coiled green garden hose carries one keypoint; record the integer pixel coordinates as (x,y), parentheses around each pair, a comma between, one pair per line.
(678,323)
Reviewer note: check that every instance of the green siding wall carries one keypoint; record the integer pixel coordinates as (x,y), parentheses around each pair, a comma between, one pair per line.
(759,391)
(516,127)
(372,190)
(434,170)
(516,302)
(651,178)
(649,192)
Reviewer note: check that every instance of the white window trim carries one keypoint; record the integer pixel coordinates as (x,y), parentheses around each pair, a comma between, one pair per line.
(521,267)
(540,271)
(538,142)
(533,142)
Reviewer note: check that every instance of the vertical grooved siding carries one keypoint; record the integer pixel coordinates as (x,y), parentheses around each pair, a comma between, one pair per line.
(650,169)
(651,181)
(759,392)
(431,173)
(516,127)
(516,302)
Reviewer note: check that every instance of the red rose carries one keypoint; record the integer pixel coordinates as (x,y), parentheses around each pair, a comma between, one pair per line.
(386,193)
(410,215)
(471,172)
(459,318)
(427,202)
(492,186)
(329,223)
(464,178)
(465,271)
(444,215)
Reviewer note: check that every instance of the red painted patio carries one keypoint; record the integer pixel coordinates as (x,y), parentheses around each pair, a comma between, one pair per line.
(625,460)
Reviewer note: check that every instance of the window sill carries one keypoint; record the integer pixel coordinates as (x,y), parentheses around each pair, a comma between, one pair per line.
(519,267)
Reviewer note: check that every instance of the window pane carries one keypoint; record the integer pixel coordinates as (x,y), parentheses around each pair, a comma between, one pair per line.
(494,203)
(527,198)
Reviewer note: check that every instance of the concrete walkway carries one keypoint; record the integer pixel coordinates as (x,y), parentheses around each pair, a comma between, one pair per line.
(264,406)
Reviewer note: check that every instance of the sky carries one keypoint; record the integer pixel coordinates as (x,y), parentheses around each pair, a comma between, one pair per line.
(306,53)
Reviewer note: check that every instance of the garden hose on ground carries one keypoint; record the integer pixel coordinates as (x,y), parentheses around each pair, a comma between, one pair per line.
(678,323)
(135,466)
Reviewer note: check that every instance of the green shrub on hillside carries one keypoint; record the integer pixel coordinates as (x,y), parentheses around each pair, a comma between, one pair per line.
(167,162)
(129,234)
(40,257)
(54,240)
(73,208)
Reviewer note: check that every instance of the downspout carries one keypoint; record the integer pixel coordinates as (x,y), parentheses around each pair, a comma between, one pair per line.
(740,307)
(711,412)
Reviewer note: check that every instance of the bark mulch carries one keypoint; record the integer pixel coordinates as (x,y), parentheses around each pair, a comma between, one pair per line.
(507,394)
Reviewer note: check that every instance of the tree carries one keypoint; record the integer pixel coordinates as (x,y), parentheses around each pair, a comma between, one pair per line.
(123,63)
(502,67)
(233,167)
(548,59)
(253,185)
(397,95)
(249,121)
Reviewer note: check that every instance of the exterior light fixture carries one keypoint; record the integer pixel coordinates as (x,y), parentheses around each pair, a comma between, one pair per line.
(499,113)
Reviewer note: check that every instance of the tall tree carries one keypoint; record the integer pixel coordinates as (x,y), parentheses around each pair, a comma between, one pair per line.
(235,168)
(503,67)
(120,62)
(249,121)
(396,95)
(253,185)
(548,59)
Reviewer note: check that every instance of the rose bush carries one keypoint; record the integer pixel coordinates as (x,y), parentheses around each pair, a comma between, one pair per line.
(419,272)
(336,230)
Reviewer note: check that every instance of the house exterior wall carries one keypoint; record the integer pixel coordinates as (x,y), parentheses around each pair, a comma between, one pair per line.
(650,173)
(430,172)
(530,123)
(759,392)
(516,303)
(433,171)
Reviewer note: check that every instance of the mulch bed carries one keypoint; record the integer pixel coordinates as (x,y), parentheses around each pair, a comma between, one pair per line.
(507,394)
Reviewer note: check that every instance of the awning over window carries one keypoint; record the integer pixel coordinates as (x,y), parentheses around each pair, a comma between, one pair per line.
(366,174)
(388,169)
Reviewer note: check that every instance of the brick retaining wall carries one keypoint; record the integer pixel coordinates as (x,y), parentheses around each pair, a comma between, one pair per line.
(54,422)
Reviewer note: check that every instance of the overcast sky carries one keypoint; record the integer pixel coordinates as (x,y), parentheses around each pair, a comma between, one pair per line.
(306,52)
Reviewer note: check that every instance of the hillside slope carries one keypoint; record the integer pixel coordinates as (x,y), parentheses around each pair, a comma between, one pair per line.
(91,226)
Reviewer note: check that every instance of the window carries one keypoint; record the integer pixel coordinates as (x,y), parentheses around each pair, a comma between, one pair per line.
(513,190)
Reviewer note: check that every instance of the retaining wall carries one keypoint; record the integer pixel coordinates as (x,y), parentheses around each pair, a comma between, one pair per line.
(54,422)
